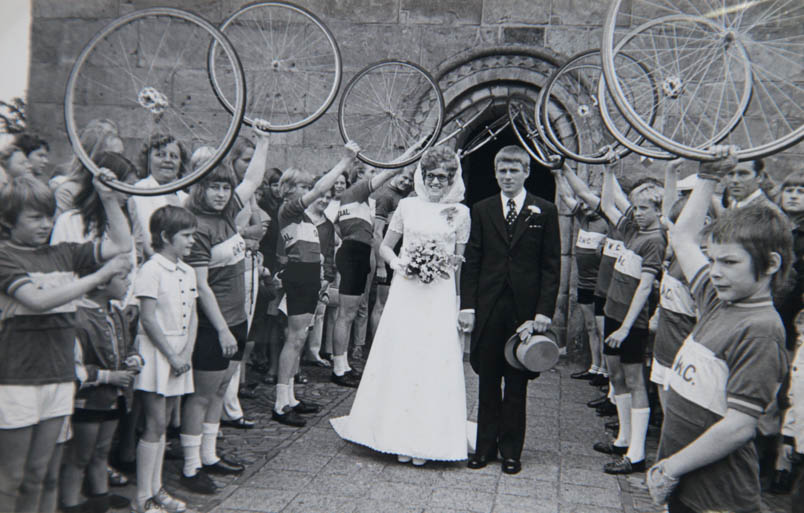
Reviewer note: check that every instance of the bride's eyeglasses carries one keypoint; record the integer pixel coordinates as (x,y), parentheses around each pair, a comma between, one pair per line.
(429,177)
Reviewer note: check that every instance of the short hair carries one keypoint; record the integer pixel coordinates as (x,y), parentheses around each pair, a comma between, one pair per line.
(196,202)
(157,142)
(760,230)
(794,179)
(25,192)
(239,148)
(29,142)
(200,156)
(653,193)
(512,153)
(273,175)
(87,200)
(292,177)
(7,152)
(356,167)
(439,156)
(170,220)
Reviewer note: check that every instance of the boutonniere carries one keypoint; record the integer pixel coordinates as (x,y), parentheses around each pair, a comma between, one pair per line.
(533,211)
(449,214)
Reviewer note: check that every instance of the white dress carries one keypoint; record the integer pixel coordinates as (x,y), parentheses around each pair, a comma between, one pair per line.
(412,397)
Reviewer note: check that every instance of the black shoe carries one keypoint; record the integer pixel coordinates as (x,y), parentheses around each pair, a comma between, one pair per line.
(604,389)
(199,483)
(355,374)
(599,381)
(241,423)
(105,501)
(305,408)
(609,448)
(477,461)
(269,379)
(782,482)
(300,379)
(288,417)
(607,410)
(247,392)
(511,466)
(345,381)
(582,375)
(224,467)
(624,466)
(173,450)
(596,403)
(613,425)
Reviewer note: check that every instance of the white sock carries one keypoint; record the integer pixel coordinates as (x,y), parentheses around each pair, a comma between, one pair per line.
(639,430)
(623,403)
(292,401)
(209,439)
(593,370)
(340,364)
(157,476)
(191,446)
(282,397)
(147,459)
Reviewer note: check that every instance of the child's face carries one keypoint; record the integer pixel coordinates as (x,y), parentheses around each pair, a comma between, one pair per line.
(217,194)
(32,228)
(793,199)
(164,162)
(182,242)
(340,185)
(646,214)
(18,164)
(732,273)
(300,189)
(321,203)
(118,286)
(275,192)
(241,163)
(39,159)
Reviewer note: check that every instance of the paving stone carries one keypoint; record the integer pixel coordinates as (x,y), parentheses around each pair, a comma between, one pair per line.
(258,499)
(403,493)
(280,480)
(541,489)
(577,494)
(462,500)
(540,471)
(519,504)
(385,507)
(470,480)
(312,503)
(287,461)
(586,477)
(339,485)
(407,473)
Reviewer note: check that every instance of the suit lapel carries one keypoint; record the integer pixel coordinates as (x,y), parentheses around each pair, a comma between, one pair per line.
(497,218)
(520,225)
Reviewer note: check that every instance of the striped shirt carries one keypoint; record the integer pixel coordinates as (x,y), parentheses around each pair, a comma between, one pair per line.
(677,314)
(355,215)
(588,246)
(299,234)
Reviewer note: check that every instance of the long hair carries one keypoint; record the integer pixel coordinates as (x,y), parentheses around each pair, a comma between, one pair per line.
(197,202)
(240,146)
(156,142)
(95,138)
(87,200)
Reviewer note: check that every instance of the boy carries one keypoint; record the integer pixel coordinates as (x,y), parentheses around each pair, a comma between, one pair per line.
(38,286)
(626,316)
(729,369)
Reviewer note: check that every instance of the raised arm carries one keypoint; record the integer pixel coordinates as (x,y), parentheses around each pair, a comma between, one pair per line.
(580,188)
(564,190)
(326,182)
(255,170)
(119,240)
(670,183)
(608,202)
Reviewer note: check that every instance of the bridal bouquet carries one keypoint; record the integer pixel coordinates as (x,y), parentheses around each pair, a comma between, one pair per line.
(427,261)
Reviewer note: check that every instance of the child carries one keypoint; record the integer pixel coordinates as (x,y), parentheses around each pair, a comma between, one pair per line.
(793,427)
(166,289)
(301,278)
(106,364)
(326,238)
(626,317)
(729,369)
(38,286)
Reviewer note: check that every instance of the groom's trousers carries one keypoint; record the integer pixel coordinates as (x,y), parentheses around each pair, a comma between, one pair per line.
(501,415)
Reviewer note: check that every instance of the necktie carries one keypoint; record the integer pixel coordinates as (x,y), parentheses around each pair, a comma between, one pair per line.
(510,217)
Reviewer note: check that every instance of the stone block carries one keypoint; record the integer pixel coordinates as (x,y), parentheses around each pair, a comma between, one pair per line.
(289,480)
(312,503)
(581,12)
(47,83)
(324,133)
(585,477)
(461,500)
(468,481)
(533,36)
(518,503)
(403,493)
(444,12)
(258,499)
(362,44)
(210,10)
(364,11)
(76,9)
(61,40)
(438,44)
(528,12)
(570,40)
(545,491)
(579,494)
(338,485)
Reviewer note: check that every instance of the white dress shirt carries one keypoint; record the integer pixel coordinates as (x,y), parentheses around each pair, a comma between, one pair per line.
(519,201)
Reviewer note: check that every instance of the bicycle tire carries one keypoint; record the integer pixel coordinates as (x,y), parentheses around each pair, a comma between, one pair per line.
(530,142)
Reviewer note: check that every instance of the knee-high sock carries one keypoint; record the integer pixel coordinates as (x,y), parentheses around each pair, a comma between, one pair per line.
(292,401)
(191,446)
(147,460)
(623,403)
(340,364)
(157,476)
(282,397)
(209,442)
(639,430)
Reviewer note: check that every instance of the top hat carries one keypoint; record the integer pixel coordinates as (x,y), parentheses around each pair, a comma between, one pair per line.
(537,353)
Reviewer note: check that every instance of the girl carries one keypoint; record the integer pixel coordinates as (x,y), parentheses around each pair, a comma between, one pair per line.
(217,258)
(166,289)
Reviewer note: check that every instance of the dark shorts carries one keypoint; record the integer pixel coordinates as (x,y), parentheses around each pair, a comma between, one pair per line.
(83,415)
(632,350)
(302,296)
(600,302)
(586,296)
(353,261)
(207,354)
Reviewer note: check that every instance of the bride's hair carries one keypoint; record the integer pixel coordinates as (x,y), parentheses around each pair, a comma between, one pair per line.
(439,156)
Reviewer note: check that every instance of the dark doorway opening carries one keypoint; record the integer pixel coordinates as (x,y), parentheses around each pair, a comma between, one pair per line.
(478,169)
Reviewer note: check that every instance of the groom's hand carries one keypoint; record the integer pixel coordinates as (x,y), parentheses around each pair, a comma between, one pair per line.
(539,324)
(466,321)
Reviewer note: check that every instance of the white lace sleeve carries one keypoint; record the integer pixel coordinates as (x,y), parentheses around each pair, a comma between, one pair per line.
(397,224)
(463,225)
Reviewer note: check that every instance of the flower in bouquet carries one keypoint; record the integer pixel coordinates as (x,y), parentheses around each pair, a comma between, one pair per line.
(427,261)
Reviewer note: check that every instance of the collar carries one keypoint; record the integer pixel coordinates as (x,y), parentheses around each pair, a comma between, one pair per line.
(519,201)
(167,264)
(751,197)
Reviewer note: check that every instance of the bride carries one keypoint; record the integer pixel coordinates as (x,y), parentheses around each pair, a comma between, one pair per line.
(411,400)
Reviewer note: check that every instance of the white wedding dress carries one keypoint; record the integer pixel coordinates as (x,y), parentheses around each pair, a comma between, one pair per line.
(412,398)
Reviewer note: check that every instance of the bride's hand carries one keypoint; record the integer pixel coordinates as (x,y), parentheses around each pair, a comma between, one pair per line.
(397,265)
(456,261)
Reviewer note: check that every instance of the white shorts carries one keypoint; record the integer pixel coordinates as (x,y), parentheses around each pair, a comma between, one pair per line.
(28,405)
(658,373)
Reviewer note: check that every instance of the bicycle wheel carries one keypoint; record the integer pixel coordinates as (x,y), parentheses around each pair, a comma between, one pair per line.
(520,109)
(394,110)
(291,61)
(479,109)
(489,133)
(144,72)
(569,112)
(708,67)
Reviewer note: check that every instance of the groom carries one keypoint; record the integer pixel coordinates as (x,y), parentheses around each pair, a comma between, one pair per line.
(509,284)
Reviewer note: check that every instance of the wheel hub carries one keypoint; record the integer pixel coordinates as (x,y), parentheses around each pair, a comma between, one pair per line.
(151,99)
(672,86)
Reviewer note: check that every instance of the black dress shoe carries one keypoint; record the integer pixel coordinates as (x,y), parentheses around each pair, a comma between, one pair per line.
(199,483)
(307,408)
(596,403)
(288,417)
(582,375)
(624,466)
(241,423)
(345,381)
(613,425)
(511,466)
(609,448)
(477,461)
(606,410)
(224,466)
(599,380)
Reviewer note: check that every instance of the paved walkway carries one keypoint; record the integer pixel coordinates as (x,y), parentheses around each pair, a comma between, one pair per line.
(312,470)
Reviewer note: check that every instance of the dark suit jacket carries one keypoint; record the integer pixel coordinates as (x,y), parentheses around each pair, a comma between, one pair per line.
(530,266)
